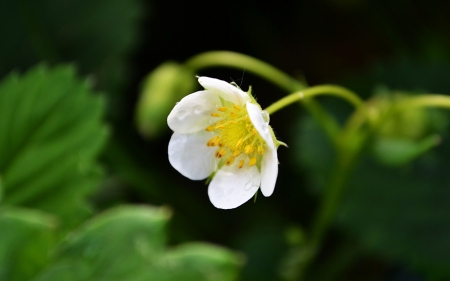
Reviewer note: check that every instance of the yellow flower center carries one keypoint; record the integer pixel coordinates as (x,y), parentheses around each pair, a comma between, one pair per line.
(235,134)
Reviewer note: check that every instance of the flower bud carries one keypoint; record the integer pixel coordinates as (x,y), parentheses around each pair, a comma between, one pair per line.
(161,89)
(405,135)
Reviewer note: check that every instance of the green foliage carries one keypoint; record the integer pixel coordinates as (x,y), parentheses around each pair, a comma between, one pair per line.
(399,151)
(51,132)
(404,218)
(128,243)
(26,239)
(398,214)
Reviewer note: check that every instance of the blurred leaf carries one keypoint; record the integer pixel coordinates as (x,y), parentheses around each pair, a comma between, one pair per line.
(96,34)
(50,134)
(161,89)
(128,243)
(26,238)
(400,214)
(198,261)
(397,151)
(1,189)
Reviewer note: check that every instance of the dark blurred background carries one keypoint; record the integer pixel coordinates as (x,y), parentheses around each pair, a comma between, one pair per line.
(360,44)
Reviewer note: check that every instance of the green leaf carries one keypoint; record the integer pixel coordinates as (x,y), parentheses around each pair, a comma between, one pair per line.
(402,214)
(400,151)
(128,243)
(1,189)
(26,238)
(51,131)
(198,261)
(399,214)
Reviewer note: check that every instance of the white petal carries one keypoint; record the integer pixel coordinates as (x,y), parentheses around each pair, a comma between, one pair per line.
(256,116)
(232,187)
(192,113)
(269,171)
(190,156)
(224,90)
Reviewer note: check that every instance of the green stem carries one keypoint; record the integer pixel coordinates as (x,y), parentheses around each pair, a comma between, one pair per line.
(269,73)
(432,100)
(240,61)
(315,91)
(330,202)
(346,160)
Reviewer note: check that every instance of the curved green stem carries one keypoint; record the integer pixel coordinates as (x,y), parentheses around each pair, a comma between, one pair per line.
(431,100)
(346,160)
(315,91)
(270,73)
(342,171)
(255,66)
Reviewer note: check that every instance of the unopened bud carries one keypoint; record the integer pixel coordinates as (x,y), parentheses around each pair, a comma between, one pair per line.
(161,89)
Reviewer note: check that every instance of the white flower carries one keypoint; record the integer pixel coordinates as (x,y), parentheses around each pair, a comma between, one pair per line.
(222,130)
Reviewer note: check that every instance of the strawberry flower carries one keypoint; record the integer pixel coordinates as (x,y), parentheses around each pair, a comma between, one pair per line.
(222,133)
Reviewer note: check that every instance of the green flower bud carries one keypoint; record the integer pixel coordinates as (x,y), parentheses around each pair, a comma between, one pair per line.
(161,89)
(404,135)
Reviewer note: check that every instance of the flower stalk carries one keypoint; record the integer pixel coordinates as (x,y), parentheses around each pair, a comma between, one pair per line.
(331,90)
(349,142)
(247,63)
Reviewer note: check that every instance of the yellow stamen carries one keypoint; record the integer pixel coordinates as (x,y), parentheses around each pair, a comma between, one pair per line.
(252,161)
(220,153)
(236,153)
(249,149)
(214,141)
(260,150)
(239,142)
(235,134)
(229,161)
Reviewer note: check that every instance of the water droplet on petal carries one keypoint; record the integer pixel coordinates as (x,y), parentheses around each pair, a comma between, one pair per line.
(248,186)
(198,109)
(265,116)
